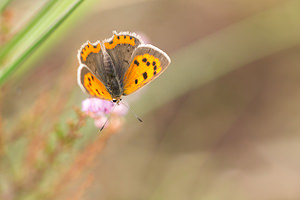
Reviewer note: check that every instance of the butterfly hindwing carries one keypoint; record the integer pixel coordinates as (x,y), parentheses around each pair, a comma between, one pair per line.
(91,84)
(120,48)
(147,63)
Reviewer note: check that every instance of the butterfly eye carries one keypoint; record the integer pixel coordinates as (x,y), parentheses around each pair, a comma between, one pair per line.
(117,100)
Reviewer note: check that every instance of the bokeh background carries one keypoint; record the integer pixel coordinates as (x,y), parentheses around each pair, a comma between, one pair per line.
(221,123)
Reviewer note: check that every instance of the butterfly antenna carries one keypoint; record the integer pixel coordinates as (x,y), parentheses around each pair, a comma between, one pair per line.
(107,119)
(104,125)
(132,112)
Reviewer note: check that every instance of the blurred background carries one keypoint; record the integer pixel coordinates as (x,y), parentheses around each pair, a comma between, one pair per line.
(222,122)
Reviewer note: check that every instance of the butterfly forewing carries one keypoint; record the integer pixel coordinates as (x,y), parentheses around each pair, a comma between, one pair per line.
(90,54)
(91,84)
(120,48)
(147,63)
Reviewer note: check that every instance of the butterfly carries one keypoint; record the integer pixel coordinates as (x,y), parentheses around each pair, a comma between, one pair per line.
(119,66)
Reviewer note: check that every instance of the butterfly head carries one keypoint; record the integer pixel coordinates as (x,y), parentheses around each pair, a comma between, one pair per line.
(117,100)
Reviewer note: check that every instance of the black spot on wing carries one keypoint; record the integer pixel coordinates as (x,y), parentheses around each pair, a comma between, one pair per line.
(136,62)
(97,91)
(145,75)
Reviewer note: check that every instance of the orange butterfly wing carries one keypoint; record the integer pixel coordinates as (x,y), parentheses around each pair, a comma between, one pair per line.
(147,63)
(91,84)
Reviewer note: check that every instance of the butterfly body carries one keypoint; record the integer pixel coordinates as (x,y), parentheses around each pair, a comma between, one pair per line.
(112,82)
(119,66)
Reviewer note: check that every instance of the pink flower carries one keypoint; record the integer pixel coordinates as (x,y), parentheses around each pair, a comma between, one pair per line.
(97,107)
(99,110)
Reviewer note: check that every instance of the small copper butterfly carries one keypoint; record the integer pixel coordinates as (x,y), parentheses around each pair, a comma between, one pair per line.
(119,66)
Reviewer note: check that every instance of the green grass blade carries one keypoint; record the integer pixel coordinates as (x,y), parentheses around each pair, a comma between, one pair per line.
(18,37)
(3,4)
(20,47)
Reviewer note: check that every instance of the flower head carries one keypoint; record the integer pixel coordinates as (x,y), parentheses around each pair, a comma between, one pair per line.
(96,107)
(99,110)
